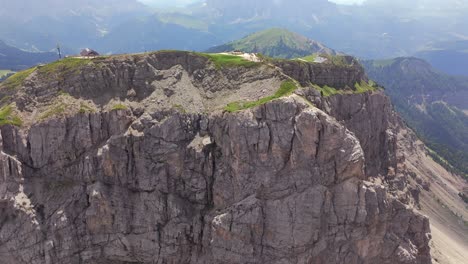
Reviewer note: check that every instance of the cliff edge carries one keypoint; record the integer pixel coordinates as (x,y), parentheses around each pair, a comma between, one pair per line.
(178,157)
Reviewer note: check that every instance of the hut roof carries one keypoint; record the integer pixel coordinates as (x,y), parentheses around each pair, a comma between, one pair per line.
(88,53)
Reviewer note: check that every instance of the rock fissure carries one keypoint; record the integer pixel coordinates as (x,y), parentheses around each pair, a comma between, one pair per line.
(280,183)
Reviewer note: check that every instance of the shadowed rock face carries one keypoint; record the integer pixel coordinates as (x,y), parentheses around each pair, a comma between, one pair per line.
(344,76)
(281,183)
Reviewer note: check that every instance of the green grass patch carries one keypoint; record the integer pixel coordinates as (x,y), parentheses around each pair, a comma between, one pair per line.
(337,60)
(179,108)
(63,93)
(309,103)
(17,79)
(227,61)
(55,110)
(51,70)
(265,58)
(365,87)
(310,58)
(326,90)
(84,108)
(119,107)
(8,118)
(286,88)
(4,100)
(64,66)
(360,88)
(4,73)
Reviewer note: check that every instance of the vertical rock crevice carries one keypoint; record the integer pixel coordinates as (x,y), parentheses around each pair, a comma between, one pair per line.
(282,183)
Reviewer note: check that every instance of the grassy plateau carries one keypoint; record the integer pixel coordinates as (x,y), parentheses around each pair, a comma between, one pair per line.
(286,88)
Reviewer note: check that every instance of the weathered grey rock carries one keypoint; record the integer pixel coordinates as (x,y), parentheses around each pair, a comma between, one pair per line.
(281,183)
(338,76)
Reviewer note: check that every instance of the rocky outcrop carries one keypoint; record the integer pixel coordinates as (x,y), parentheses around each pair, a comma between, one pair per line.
(371,118)
(285,182)
(338,76)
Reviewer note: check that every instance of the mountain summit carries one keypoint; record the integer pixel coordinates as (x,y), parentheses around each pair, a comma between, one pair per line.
(276,42)
(184,157)
(16,59)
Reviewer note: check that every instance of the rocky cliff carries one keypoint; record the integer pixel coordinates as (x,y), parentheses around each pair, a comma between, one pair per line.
(432,103)
(133,159)
(343,75)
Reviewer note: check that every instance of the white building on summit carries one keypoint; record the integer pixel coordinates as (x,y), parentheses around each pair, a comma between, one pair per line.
(89,53)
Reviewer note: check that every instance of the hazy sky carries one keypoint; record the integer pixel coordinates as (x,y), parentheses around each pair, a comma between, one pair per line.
(347,1)
(167,2)
(185,2)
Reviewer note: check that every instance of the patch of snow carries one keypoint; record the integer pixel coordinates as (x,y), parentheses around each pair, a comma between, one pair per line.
(320,59)
(218,220)
(247,56)
(198,143)
(101,150)
(22,202)
(95,193)
(63,218)
(206,141)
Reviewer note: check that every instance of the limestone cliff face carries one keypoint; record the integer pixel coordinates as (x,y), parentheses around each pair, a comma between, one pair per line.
(284,182)
(371,118)
(338,76)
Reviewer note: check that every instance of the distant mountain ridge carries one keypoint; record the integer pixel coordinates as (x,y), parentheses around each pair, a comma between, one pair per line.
(434,104)
(40,25)
(247,10)
(278,43)
(12,58)
(450,57)
(27,10)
